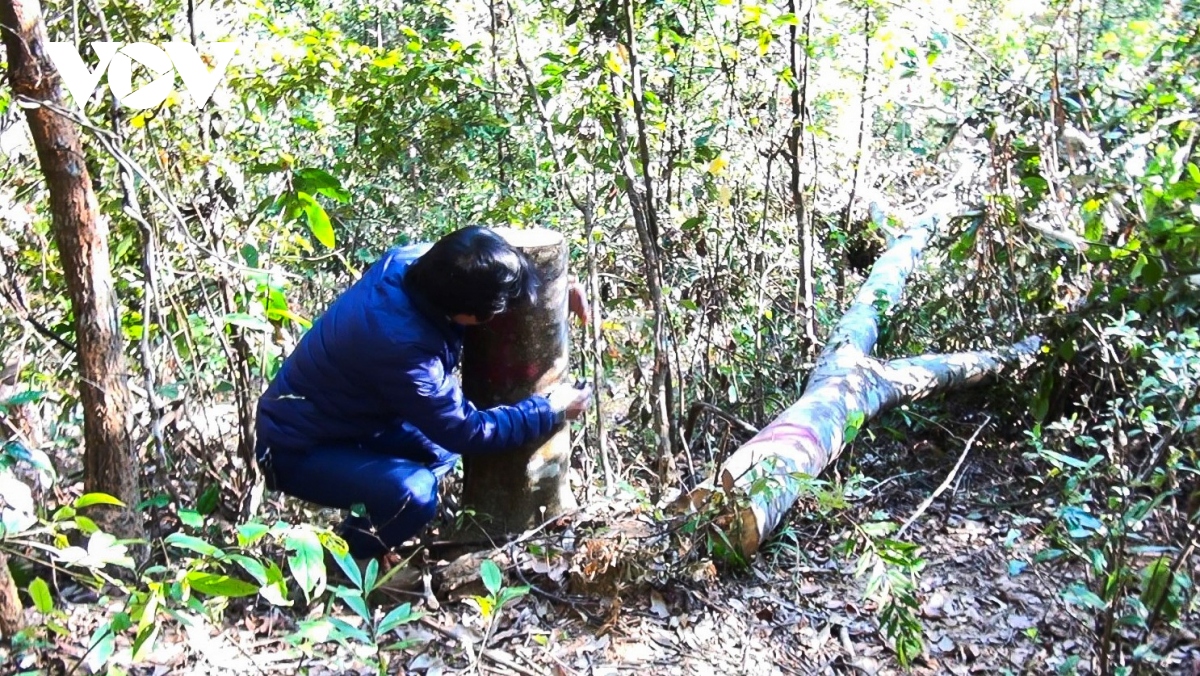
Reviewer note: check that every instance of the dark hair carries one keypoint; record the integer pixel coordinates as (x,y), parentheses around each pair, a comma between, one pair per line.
(473,271)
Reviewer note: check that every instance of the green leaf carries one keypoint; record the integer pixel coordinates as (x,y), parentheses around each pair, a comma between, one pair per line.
(249,533)
(307,561)
(215,584)
(1156,588)
(349,566)
(20,398)
(19,452)
(145,641)
(256,569)
(266,167)
(100,648)
(39,591)
(193,543)
(317,218)
(490,573)
(371,578)
(209,499)
(275,591)
(1059,458)
(161,500)
(402,614)
(354,599)
(318,181)
(86,525)
(1147,269)
(191,518)
(965,245)
(1083,597)
(89,499)
(854,423)
(347,630)
(248,321)
(511,594)
(250,255)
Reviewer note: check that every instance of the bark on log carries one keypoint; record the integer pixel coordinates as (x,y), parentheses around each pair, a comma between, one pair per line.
(81,236)
(518,353)
(765,475)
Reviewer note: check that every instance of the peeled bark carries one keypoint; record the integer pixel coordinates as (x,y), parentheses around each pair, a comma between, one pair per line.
(765,475)
(81,236)
(518,353)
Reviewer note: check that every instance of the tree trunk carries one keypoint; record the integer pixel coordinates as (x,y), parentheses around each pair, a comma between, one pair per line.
(765,475)
(12,615)
(110,459)
(805,241)
(639,189)
(518,353)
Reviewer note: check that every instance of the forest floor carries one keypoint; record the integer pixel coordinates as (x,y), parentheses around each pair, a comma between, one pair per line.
(799,608)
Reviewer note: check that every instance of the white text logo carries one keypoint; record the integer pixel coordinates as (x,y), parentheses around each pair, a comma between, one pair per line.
(163,61)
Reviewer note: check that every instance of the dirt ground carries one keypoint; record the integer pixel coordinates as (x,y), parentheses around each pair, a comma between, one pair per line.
(986,606)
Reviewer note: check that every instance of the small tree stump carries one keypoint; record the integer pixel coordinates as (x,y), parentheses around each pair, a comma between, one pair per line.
(518,353)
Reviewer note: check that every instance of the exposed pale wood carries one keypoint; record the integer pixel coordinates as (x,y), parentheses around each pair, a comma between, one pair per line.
(765,475)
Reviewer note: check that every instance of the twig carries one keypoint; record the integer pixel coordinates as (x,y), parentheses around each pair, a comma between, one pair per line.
(105,138)
(698,406)
(945,483)
(576,604)
(497,656)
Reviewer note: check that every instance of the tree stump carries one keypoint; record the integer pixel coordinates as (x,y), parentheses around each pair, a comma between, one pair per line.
(518,353)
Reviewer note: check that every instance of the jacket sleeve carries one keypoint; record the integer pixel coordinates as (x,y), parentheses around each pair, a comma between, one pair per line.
(421,392)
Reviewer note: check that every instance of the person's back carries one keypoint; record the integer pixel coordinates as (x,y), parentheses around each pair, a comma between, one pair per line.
(325,391)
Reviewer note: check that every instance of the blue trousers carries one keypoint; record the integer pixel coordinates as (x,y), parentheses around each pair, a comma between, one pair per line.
(393,476)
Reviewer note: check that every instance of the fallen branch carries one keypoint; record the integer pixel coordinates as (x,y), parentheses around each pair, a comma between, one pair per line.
(945,483)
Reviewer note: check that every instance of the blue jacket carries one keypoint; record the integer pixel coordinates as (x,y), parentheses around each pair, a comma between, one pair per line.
(380,358)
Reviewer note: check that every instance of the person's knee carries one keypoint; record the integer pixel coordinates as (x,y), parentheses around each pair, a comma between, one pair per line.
(421,489)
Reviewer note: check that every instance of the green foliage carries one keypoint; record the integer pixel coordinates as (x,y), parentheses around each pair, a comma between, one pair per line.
(376,625)
(358,127)
(204,575)
(890,569)
(1116,476)
(499,594)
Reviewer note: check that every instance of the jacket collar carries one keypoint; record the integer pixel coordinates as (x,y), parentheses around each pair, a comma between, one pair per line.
(452,331)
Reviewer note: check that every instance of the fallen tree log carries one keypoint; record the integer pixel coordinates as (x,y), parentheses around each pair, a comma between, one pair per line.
(765,476)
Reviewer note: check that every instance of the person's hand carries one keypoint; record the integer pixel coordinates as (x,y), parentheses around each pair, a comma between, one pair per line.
(569,400)
(577,301)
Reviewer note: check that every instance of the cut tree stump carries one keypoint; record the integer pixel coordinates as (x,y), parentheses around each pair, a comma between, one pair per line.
(518,353)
